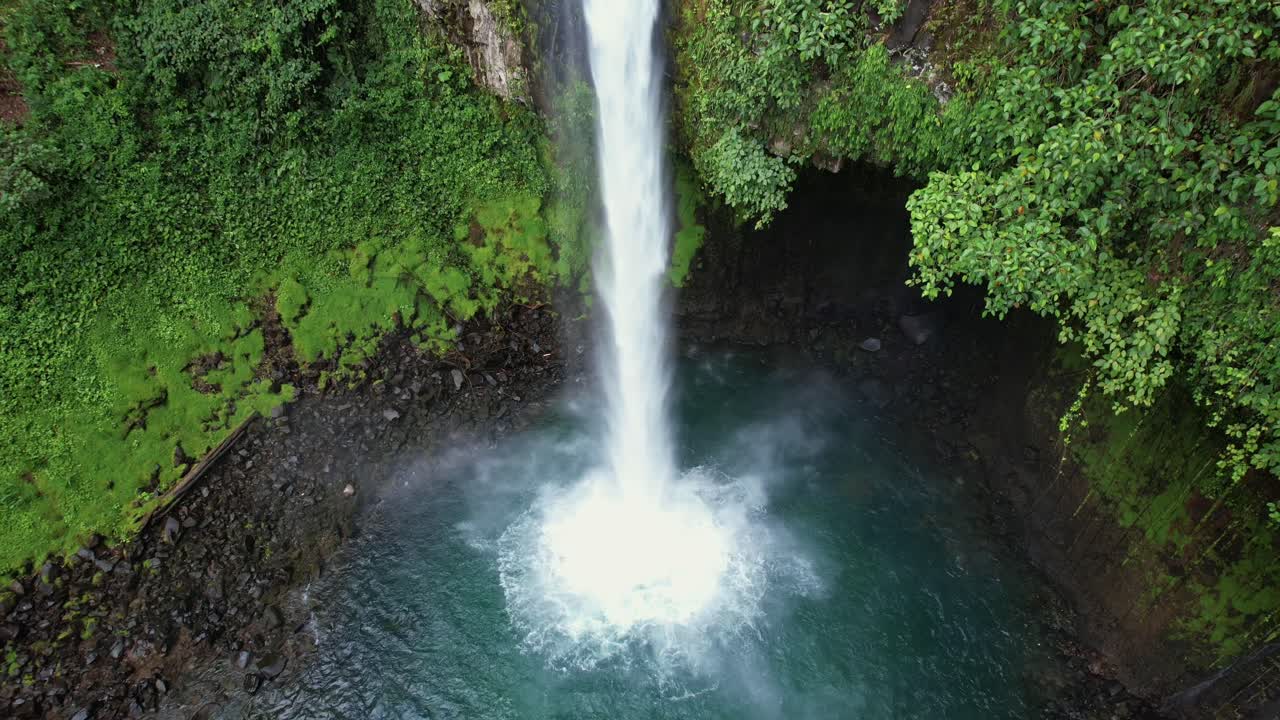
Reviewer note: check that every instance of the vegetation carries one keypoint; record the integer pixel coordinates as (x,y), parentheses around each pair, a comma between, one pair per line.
(185,165)
(1111,165)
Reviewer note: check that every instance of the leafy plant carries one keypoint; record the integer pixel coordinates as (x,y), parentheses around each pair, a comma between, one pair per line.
(181,164)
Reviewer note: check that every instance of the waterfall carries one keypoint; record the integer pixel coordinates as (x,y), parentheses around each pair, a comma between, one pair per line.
(635,552)
(630,274)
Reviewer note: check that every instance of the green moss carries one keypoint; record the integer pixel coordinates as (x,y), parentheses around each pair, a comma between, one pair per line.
(1150,467)
(171,208)
(689,232)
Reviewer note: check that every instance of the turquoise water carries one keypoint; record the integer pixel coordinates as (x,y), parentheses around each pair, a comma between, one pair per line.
(878,595)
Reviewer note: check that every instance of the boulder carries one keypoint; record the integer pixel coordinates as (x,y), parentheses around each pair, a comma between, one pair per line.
(271,666)
(919,328)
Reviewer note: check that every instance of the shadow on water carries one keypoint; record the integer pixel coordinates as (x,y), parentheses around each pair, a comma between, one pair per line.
(882,598)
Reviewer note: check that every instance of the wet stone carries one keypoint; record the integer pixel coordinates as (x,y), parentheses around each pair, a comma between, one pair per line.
(171,530)
(272,665)
(272,618)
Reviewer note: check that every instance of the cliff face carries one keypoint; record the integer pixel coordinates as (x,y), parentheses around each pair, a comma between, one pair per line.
(491,36)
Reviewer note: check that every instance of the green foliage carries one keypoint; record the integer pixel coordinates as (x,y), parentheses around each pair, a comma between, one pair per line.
(1132,204)
(751,180)
(889,10)
(811,29)
(689,232)
(745,77)
(332,145)
(1112,165)
(872,111)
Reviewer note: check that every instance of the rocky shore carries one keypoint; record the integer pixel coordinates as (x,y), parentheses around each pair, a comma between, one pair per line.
(111,632)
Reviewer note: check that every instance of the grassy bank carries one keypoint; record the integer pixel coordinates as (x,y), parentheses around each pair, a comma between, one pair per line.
(182,169)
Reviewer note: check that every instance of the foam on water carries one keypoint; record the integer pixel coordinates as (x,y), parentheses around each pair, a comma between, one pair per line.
(587,575)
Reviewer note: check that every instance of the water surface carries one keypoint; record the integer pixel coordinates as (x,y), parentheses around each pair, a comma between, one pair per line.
(878,595)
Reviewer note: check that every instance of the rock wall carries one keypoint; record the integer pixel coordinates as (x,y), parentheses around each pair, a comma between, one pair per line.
(492,39)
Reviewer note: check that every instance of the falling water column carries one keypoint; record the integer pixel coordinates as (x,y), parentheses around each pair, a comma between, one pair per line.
(630,273)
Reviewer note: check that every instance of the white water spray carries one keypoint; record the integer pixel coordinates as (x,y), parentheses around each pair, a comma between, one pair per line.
(633,552)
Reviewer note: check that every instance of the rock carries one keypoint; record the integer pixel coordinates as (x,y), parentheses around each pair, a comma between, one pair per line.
(390,414)
(82,714)
(349,490)
(870,345)
(272,665)
(1032,456)
(242,659)
(16,588)
(86,554)
(49,573)
(919,328)
(252,681)
(272,618)
(457,379)
(172,528)
(117,650)
(206,711)
(161,687)
(24,708)
(277,412)
(875,392)
(180,456)
(105,565)
(8,632)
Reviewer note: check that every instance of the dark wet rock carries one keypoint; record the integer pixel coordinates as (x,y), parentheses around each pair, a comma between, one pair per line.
(206,712)
(172,528)
(9,632)
(870,345)
(177,596)
(252,681)
(180,456)
(272,618)
(875,392)
(272,665)
(920,328)
(49,573)
(24,708)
